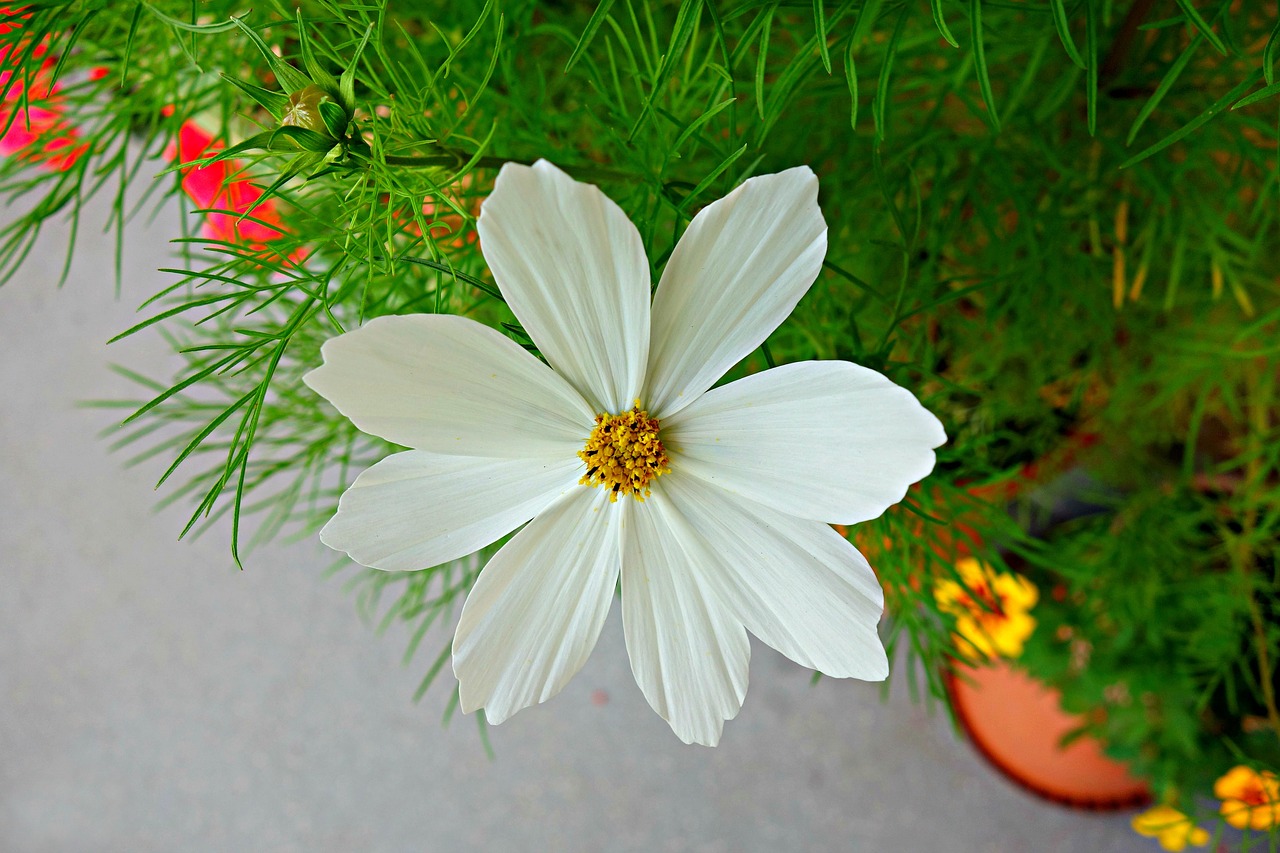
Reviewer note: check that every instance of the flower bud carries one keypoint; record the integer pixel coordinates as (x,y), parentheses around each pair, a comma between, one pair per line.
(304,109)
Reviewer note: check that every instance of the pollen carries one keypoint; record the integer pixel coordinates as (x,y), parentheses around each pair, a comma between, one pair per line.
(624,454)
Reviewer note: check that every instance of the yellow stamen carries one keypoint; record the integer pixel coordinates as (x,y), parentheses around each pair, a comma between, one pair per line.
(624,454)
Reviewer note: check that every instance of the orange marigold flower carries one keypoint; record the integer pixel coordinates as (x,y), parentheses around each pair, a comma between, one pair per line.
(1250,800)
(1170,827)
(991,610)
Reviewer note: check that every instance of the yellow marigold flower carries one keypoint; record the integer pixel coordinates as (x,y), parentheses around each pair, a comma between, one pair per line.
(1250,800)
(1170,827)
(991,610)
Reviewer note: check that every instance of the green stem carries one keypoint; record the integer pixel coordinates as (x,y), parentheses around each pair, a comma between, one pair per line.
(456,160)
(448,160)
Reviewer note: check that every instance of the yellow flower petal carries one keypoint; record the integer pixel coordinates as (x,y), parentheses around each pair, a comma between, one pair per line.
(1016,592)
(1170,827)
(1234,782)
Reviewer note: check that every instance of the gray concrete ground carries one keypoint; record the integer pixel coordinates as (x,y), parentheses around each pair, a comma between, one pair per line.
(154,699)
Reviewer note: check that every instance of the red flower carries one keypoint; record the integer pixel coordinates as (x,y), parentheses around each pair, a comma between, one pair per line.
(40,133)
(218,187)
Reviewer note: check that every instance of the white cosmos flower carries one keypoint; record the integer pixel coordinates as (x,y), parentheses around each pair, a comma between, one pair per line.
(739,485)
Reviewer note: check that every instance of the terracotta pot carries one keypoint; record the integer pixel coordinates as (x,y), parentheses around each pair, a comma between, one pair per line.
(1017,724)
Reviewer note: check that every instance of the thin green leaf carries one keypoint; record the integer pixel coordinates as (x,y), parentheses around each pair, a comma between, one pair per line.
(1063,26)
(699,122)
(285,175)
(589,32)
(290,78)
(319,74)
(820,26)
(128,44)
(762,58)
(171,312)
(980,56)
(198,376)
(879,105)
(1202,25)
(68,49)
(432,672)
(723,42)
(203,434)
(1269,55)
(138,378)
(1030,75)
(686,21)
(478,283)
(493,59)
(1260,95)
(866,20)
(1166,83)
(712,176)
(273,102)
(941,23)
(194,28)
(466,39)
(1215,108)
(851,78)
(239,500)
(800,69)
(886,191)
(347,82)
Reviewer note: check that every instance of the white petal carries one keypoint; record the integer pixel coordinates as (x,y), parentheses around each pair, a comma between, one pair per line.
(450,385)
(688,653)
(825,440)
(416,509)
(796,584)
(735,275)
(536,610)
(573,270)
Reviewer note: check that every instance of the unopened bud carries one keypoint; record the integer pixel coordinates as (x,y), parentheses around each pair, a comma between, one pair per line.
(304,109)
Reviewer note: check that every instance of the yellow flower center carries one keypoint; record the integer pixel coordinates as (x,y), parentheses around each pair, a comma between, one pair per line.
(624,454)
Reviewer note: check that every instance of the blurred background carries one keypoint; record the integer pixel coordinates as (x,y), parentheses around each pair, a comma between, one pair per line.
(154,698)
